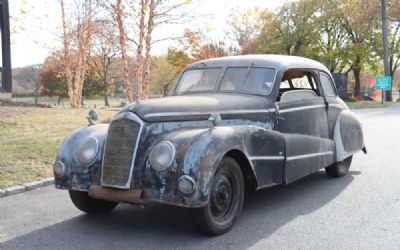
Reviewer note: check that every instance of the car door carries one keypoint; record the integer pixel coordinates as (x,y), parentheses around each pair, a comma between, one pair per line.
(334,104)
(302,119)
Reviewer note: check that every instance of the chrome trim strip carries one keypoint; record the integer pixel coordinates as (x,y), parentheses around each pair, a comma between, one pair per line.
(261,158)
(336,106)
(133,117)
(222,112)
(298,157)
(302,108)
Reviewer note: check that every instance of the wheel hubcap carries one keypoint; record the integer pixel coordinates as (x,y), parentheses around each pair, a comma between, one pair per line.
(221,196)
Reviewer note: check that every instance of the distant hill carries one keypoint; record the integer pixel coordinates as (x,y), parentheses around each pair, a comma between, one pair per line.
(23,79)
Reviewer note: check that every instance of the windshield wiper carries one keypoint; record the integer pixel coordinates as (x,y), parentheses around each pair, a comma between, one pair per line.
(247,73)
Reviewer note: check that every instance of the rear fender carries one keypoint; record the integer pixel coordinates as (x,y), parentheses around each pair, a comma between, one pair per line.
(348,135)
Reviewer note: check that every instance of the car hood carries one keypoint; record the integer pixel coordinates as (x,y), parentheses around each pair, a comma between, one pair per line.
(198,107)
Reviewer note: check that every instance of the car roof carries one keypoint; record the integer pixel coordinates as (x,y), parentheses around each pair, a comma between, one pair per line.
(280,62)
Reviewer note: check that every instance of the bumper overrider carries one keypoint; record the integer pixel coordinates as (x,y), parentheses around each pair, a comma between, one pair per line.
(126,161)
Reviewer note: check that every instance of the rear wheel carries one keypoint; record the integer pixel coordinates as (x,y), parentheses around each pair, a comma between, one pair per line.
(339,169)
(90,205)
(226,199)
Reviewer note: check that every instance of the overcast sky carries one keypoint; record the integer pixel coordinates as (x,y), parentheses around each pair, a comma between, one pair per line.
(36,31)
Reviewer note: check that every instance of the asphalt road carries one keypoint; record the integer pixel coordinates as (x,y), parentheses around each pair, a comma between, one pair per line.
(358,211)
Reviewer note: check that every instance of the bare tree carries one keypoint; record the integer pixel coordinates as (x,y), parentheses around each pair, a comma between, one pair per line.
(141,19)
(35,79)
(119,14)
(104,52)
(76,43)
(160,12)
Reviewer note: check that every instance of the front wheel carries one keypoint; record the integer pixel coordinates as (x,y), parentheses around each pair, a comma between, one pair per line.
(226,199)
(339,169)
(90,205)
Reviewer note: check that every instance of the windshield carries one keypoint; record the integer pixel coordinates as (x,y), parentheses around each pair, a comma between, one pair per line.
(194,80)
(236,79)
(248,80)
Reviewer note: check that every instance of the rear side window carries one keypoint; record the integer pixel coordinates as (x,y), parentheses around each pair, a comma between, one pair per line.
(248,80)
(298,83)
(327,85)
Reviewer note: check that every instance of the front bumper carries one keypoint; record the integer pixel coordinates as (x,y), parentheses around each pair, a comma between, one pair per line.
(133,196)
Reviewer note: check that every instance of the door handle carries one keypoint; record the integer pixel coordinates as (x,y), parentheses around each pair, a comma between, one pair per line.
(279,118)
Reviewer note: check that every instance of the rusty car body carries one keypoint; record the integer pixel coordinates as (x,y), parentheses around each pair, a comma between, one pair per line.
(256,120)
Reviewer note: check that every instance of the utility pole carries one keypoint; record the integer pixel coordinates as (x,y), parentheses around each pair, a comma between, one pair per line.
(385,48)
(5,64)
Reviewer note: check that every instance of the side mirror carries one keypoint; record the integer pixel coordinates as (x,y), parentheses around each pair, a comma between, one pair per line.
(92,117)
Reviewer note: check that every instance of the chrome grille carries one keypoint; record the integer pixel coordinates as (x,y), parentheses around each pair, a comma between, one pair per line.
(119,152)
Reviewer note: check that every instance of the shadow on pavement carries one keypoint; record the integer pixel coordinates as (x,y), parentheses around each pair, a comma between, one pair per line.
(159,227)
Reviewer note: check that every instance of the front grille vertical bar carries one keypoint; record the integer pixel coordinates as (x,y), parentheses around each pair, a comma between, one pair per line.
(117,168)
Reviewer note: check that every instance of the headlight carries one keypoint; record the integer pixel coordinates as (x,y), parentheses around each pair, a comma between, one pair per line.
(87,151)
(162,156)
(58,168)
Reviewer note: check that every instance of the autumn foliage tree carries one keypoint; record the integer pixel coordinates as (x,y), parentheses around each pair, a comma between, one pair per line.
(179,58)
(200,47)
(163,74)
(339,33)
(244,26)
(359,26)
(52,77)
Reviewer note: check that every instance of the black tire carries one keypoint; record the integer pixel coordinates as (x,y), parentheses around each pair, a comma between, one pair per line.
(226,200)
(90,205)
(339,169)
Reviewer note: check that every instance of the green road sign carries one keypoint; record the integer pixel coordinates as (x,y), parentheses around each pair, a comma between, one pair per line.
(383,83)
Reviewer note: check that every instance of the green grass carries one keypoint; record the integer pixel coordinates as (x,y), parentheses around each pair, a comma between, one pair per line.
(369,104)
(30,137)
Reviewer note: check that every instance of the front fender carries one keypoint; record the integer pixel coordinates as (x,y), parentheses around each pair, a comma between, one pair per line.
(198,153)
(76,176)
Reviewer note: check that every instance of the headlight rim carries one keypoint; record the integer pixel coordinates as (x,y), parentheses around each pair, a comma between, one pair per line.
(173,155)
(93,158)
(191,180)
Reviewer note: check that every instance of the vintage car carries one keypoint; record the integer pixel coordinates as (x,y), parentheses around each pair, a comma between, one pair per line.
(230,123)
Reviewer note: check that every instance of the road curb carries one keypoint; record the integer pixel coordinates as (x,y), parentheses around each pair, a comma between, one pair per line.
(26,187)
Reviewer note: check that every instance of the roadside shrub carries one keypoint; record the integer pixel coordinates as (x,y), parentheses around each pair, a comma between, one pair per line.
(352,99)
